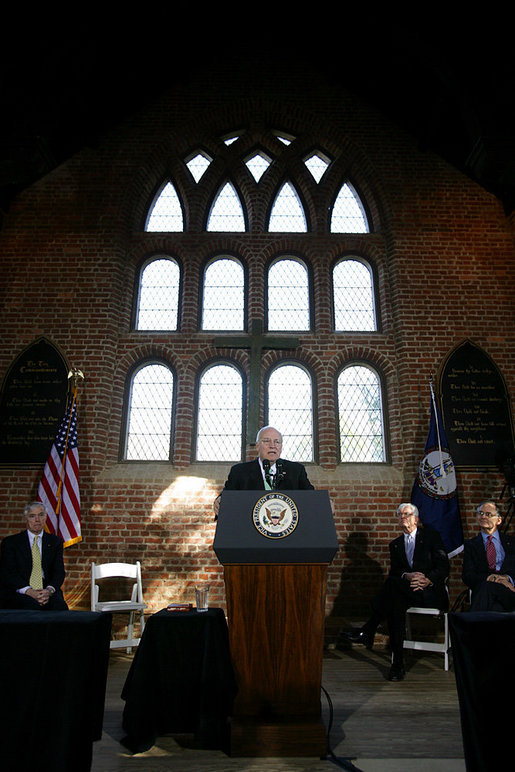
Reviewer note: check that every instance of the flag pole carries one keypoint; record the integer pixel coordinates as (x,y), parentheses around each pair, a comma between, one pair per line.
(433,402)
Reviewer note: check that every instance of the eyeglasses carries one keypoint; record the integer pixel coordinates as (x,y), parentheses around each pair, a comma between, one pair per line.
(268,441)
(487,514)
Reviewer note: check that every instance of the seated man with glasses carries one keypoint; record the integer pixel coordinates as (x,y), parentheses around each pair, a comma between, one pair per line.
(268,471)
(419,569)
(489,563)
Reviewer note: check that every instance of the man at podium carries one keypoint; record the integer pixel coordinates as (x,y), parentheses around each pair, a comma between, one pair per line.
(268,471)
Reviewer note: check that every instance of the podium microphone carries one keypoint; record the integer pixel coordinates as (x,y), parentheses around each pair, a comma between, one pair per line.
(266,467)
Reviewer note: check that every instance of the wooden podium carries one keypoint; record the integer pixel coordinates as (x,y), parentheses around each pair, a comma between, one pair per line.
(275,547)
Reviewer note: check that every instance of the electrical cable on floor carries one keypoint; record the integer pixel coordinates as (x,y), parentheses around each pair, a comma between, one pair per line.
(344,763)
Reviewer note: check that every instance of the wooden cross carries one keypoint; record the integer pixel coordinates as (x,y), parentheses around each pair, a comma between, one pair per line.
(256,341)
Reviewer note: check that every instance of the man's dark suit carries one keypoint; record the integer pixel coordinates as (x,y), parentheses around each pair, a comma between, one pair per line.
(247,477)
(16,567)
(430,559)
(488,596)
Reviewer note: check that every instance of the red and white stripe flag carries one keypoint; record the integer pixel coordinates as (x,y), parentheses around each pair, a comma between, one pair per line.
(59,486)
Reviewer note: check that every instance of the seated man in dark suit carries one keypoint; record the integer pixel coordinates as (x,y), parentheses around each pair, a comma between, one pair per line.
(489,563)
(268,471)
(419,568)
(32,566)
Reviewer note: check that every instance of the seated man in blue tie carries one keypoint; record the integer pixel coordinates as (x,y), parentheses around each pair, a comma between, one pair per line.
(32,566)
(489,563)
(419,568)
(268,471)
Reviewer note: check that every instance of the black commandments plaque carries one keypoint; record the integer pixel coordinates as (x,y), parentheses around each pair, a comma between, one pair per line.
(476,409)
(32,404)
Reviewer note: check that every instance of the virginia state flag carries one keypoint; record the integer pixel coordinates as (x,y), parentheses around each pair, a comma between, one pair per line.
(434,490)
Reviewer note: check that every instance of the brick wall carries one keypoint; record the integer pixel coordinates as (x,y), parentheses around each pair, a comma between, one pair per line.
(70,247)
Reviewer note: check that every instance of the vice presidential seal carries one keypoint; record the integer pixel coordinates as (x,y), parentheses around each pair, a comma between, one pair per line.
(275,515)
(436,474)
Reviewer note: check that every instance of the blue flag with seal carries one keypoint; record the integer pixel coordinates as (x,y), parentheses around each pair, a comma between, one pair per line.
(434,490)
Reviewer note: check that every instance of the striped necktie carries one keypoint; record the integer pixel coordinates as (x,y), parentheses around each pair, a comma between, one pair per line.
(410,548)
(491,554)
(36,576)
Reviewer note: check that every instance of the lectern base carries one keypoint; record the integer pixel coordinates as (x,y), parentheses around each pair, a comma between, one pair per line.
(288,736)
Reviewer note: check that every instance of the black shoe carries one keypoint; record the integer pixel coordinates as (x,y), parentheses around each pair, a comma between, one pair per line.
(396,673)
(359,636)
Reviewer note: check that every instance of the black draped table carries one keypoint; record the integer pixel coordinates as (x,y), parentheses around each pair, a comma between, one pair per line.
(180,681)
(53,673)
(483,650)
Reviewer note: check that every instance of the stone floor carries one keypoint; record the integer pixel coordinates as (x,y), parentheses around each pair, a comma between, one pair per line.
(375,725)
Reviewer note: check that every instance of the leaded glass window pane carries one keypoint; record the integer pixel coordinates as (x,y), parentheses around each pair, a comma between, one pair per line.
(257,165)
(198,165)
(348,214)
(226,213)
(158,301)
(290,410)
(223,301)
(353,296)
(288,296)
(165,213)
(317,164)
(287,215)
(220,414)
(286,139)
(360,415)
(150,414)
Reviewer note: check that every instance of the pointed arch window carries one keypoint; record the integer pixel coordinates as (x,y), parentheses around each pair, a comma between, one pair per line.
(348,215)
(290,410)
(157,306)
(220,414)
(165,213)
(353,296)
(287,214)
(227,212)
(223,300)
(360,415)
(149,414)
(288,295)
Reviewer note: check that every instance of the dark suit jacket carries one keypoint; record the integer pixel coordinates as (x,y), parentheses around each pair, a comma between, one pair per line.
(475,565)
(430,558)
(248,477)
(16,561)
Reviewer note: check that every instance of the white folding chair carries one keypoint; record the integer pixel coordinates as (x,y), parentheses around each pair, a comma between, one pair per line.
(134,605)
(443,647)
(437,614)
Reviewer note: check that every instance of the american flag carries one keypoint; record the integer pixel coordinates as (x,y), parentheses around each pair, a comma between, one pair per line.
(59,485)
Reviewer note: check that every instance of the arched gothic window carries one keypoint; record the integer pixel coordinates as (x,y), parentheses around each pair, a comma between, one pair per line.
(165,213)
(227,212)
(157,306)
(223,301)
(222,291)
(287,214)
(353,296)
(360,414)
(149,414)
(220,414)
(290,410)
(348,215)
(288,295)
